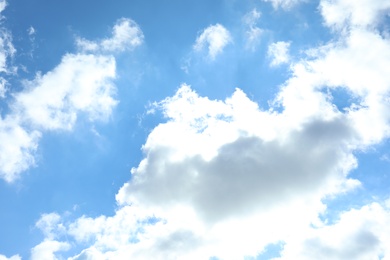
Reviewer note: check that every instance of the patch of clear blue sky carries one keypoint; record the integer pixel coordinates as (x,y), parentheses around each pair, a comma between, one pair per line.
(81,172)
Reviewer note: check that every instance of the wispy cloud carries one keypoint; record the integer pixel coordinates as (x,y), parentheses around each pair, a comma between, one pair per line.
(279,53)
(253,33)
(31,31)
(214,38)
(284,4)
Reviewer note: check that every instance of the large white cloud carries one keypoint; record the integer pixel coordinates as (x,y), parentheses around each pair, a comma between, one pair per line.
(214,38)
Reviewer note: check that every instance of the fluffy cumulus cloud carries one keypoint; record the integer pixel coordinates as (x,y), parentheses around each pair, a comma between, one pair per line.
(341,13)
(214,38)
(278,52)
(81,84)
(126,35)
(223,179)
(47,250)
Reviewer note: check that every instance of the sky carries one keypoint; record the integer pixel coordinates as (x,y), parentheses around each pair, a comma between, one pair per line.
(178,129)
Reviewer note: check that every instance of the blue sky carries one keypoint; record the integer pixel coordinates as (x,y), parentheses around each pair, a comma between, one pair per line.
(194,129)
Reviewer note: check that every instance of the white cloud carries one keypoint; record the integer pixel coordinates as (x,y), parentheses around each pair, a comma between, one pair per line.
(47,250)
(356,62)
(17,148)
(278,52)
(17,144)
(215,182)
(31,31)
(358,234)
(253,33)
(81,83)
(50,225)
(340,13)
(126,35)
(7,50)
(3,4)
(15,257)
(214,38)
(284,4)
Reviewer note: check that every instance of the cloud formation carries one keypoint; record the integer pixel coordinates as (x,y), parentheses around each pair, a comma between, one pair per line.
(47,249)
(253,33)
(18,146)
(279,53)
(358,234)
(7,51)
(126,35)
(214,38)
(15,257)
(340,13)
(81,84)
